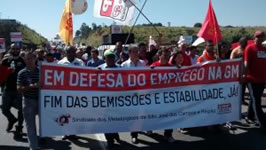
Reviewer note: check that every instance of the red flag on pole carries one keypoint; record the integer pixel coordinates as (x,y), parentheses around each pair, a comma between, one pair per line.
(210,29)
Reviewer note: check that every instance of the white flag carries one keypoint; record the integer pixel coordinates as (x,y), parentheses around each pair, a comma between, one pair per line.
(151,42)
(199,41)
(121,11)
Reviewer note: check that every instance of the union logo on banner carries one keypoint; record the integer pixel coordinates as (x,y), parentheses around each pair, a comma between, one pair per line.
(62,120)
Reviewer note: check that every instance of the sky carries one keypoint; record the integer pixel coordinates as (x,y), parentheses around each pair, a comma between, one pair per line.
(44,15)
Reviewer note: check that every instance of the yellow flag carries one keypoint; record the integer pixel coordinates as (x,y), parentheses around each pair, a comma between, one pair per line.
(66,24)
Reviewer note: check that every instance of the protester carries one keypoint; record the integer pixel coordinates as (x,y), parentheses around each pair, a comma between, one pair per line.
(153,51)
(40,54)
(95,60)
(123,57)
(28,85)
(110,63)
(238,52)
(79,54)
(183,48)
(70,58)
(143,52)
(208,53)
(11,97)
(255,64)
(164,56)
(118,49)
(133,62)
(223,51)
(49,58)
(178,59)
(87,54)
(57,54)
(193,55)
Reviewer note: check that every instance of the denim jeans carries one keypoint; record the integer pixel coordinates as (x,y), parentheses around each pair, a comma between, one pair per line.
(30,110)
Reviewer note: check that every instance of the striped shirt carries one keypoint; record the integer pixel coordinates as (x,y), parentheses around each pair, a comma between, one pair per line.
(25,78)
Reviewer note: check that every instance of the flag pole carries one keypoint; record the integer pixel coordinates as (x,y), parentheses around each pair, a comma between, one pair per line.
(216,38)
(132,28)
(217,51)
(144,16)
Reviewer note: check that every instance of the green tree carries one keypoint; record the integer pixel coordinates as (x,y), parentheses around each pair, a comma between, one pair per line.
(197,25)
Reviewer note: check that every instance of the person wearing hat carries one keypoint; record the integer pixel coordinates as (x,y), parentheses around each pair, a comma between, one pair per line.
(254,59)
(109,56)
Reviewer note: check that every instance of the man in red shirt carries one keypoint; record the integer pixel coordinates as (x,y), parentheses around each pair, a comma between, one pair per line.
(183,48)
(208,53)
(255,64)
(164,56)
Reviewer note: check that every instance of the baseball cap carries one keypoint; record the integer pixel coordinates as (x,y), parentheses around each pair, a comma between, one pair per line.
(259,33)
(109,52)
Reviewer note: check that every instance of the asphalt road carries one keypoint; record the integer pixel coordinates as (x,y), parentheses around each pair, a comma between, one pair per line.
(245,137)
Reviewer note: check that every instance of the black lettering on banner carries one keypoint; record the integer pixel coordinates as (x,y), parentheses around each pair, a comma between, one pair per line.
(233,91)
(110,101)
(102,101)
(70,101)
(148,99)
(141,98)
(157,98)
(135,100)
(127,99)
(84,101)
(95,101)
(76,102)
(52,101)
(121,102)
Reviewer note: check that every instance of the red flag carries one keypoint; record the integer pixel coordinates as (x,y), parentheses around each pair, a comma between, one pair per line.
(210,29)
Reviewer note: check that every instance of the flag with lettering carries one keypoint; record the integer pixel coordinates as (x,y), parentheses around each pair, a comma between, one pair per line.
(66,24)
(210,29)
(121,11)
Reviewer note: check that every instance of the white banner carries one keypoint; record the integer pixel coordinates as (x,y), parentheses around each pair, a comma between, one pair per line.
(75,100)
(16,36)
(121,11)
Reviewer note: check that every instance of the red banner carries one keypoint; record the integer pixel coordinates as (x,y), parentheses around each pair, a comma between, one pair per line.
(73,78)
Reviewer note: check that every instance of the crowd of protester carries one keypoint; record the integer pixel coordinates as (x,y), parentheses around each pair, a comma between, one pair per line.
(21,88)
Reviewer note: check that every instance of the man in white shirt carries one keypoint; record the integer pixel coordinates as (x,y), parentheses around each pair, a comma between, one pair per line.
(133,60)
(70,58)
(193,56)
